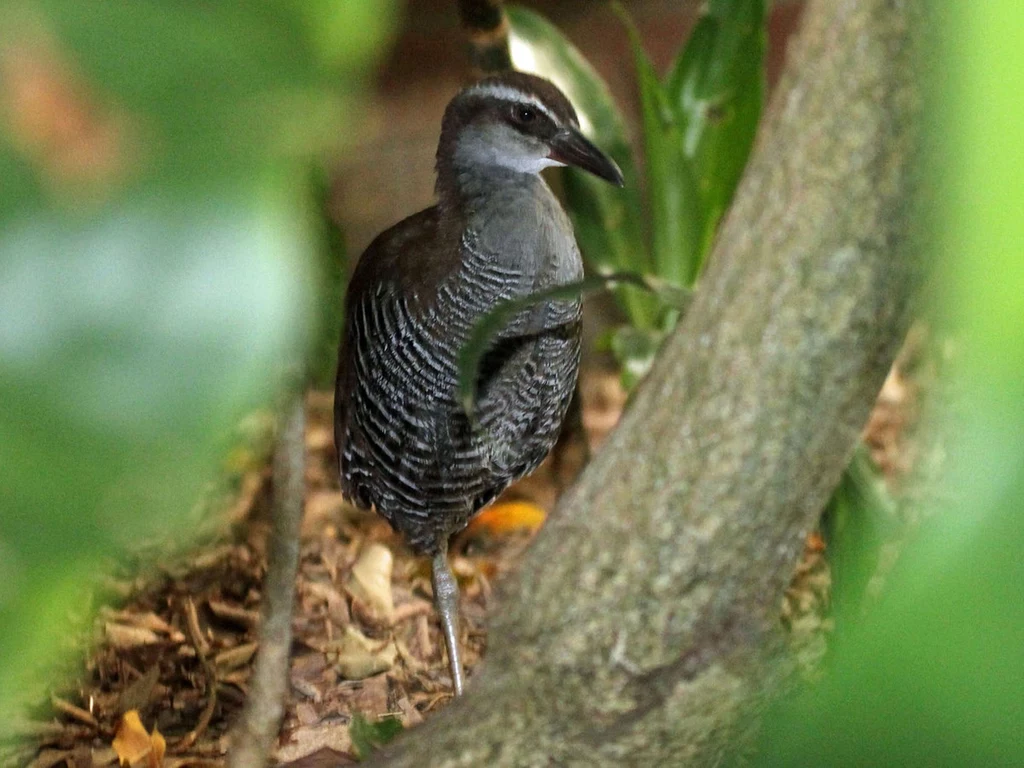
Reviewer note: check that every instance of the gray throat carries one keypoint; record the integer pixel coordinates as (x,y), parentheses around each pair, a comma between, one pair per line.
(514,218)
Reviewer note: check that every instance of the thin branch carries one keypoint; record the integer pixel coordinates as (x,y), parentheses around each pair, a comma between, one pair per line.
(202,652)
(75,713)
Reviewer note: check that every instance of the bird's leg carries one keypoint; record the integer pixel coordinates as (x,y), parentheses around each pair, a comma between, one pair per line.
(446,602)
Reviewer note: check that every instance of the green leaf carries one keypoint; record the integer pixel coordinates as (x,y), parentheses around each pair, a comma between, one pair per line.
(332,271)
(675,206)
(634,350)
(716,90)
(368,736)
(608,221)
(860,519)
(490,325)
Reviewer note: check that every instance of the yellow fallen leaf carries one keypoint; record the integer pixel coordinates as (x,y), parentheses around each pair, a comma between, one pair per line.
(156,755)
(357,657)
(508,517)
(370,581)
(132,742)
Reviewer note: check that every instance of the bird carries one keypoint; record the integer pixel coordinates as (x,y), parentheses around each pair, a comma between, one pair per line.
(406,446)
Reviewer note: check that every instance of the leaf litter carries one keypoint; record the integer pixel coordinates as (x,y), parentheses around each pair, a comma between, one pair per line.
(168,669)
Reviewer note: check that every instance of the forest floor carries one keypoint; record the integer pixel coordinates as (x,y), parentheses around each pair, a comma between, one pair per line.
(178,647)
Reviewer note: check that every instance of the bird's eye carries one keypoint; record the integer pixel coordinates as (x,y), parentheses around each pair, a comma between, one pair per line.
(523,114)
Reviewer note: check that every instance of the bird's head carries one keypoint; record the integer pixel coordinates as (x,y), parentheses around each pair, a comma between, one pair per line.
(521,123)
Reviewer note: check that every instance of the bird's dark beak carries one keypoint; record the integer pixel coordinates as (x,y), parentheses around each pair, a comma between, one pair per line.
(572,148)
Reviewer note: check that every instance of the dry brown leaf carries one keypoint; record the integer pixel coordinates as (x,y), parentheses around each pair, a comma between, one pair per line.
(143,620)
(337,608)
(411,609)
(370,697)
(325,757)
(51,758)
(604,399)
(234,613)
(235,657)
(139,693)
(321,506)
(306,713)
(357,657)
(410,715)
(308,666)
(125,637)
(815,542)
(105,756)
(79,714)
(306,740)
(370,582)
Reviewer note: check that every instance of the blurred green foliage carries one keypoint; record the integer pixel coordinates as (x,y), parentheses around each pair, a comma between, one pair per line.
(158,263)
(934,674)
(698,125)
(332,277)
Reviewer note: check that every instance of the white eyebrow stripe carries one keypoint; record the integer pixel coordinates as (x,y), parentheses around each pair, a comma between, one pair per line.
(510,94)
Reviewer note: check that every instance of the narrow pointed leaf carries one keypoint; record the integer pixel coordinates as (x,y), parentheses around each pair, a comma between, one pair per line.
(608,221)
(674,202)
(716,90)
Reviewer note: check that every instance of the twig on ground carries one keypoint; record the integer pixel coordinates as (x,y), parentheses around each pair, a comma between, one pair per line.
(75,713)
(195,636)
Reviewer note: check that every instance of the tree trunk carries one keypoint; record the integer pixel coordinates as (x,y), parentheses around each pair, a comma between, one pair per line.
(644,626)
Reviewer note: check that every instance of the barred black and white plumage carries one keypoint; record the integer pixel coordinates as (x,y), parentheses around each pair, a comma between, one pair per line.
(405,446)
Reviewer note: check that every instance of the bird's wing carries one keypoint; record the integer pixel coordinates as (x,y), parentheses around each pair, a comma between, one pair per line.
(389,377)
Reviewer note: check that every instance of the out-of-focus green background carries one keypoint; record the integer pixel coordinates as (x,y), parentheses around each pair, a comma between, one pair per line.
(160,267)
